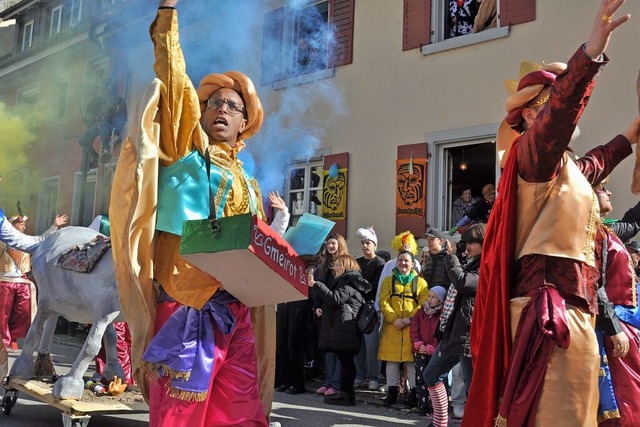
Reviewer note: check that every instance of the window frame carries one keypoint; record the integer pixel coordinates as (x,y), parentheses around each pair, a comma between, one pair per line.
(55,22)
(28,26)
(437,174)
(46,214)
(56,103)
(306,190)
(75,12)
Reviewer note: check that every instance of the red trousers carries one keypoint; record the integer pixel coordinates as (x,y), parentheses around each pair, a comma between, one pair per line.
(232,399)
(123,347)
(15,311)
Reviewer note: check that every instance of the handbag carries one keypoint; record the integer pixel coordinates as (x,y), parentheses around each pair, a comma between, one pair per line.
(251,261)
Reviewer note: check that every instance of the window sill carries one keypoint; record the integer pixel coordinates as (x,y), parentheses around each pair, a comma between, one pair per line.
(305,78)
(462,41)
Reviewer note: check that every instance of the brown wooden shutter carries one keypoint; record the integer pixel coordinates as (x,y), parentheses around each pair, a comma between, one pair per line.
(416,225)
(342,160)
(416,23)
(517,11)
(272,40)
(341,17)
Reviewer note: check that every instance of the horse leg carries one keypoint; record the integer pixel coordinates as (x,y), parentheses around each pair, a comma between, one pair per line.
(23,367)
(70,386)
(44,363)
(112,366)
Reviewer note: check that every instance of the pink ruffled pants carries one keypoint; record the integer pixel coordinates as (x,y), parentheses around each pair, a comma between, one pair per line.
(233,398)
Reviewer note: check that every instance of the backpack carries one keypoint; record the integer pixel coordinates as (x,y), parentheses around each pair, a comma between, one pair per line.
(414,288)
(367,318)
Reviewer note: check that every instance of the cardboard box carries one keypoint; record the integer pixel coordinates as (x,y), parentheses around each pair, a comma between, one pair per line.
(252,261)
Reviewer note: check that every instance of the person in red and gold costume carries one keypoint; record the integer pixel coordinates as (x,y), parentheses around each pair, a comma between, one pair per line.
(215,356)
(619,392)
(17,291)
(532,340)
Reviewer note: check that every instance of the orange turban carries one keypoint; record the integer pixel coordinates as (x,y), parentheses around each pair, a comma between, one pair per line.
(244,86)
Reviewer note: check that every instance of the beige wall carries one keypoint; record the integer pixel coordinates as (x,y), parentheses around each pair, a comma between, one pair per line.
(397,98)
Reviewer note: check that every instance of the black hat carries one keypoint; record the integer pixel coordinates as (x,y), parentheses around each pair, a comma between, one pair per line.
(633,246)
(434,232)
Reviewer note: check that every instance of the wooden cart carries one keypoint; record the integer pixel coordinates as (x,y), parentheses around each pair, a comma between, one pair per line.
(75,413)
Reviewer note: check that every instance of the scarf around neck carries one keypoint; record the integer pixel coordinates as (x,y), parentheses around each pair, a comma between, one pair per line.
(403,278)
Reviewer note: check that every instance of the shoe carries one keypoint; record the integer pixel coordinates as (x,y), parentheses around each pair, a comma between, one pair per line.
(330,392)
(282,388)
(374,385)
(322,390)
(418,411)
(275,424)
(105,157)
(359,384)
(340,398)
(458,412)
(295,390)
(392,397)
(13,346)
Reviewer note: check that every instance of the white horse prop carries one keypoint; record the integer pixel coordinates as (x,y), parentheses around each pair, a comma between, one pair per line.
(78,297)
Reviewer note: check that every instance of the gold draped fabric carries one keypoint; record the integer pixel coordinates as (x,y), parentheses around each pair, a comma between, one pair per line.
(571,379)
(164,128)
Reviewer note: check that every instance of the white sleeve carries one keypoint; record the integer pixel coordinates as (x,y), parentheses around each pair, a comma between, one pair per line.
(18,240)
(280,221)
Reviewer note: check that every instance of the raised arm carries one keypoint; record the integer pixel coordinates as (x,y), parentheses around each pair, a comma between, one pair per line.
(180,131)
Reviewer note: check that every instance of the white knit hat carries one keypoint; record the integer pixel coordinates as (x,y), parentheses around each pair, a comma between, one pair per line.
(367,234)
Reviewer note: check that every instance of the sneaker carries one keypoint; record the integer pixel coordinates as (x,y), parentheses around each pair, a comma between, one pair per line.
(374,385)
(294,390)
(105,157)
(330,391)
(322,390)
(458,412)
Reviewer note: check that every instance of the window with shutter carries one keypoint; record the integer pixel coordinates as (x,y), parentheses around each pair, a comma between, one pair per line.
(305,42)
(440,25)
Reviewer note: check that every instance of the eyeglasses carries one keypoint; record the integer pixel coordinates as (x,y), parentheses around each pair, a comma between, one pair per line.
(232,106)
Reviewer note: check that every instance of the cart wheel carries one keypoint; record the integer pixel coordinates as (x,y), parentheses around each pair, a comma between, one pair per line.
(7,404)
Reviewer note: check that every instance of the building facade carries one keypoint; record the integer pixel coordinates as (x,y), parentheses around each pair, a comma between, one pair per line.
(377,111)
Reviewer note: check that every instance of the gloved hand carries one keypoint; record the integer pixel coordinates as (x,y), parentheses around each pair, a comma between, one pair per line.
(116,386)
(453,230)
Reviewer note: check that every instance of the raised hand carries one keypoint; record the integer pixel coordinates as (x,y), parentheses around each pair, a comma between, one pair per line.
(61,220)
(603,26)
(276,201)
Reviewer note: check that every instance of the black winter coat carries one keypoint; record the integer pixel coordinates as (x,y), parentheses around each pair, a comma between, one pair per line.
(456,336)
(339,328)
(434,271)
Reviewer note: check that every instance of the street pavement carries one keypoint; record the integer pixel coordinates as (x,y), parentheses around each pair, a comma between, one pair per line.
(307,409)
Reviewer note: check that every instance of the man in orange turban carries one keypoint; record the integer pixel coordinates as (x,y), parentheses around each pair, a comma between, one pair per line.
(541,255)
(214,355)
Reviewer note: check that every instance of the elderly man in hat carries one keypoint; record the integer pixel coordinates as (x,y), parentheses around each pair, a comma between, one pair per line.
(540,259)
(225,376)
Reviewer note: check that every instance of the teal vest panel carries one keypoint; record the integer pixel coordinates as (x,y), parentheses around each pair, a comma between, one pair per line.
(183,195)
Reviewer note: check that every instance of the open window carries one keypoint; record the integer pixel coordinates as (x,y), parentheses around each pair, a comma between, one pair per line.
(304,42)
(441,25)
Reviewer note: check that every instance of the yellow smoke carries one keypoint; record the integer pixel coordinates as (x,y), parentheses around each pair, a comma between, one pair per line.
(15,137)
